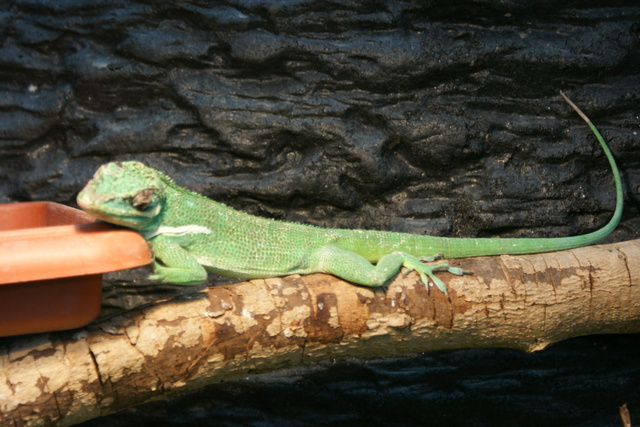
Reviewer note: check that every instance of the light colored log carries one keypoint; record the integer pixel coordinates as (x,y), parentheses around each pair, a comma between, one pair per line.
(221,333)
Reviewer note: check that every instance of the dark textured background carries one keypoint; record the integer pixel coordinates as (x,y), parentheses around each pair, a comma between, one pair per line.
(431,117)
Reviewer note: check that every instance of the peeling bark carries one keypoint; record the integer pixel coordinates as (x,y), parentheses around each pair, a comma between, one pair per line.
(521,302)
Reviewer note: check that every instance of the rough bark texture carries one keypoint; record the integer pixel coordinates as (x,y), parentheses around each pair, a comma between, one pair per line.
(227,332)
(418,116)
(409,116)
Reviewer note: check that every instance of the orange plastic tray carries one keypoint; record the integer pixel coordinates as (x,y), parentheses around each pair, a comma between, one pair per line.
(51,262)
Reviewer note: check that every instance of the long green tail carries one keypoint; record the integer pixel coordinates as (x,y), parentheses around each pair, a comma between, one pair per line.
(460,248)
(373,245)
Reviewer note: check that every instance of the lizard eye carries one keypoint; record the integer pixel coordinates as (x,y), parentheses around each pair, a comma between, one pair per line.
(143,200)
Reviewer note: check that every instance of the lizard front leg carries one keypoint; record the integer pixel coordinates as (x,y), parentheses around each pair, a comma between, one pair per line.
(355,268)
(173,264)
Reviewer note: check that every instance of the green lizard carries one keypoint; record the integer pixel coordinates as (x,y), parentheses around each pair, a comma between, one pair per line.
(191,234)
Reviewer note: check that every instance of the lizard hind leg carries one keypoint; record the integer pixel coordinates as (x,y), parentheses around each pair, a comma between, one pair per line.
(355,268)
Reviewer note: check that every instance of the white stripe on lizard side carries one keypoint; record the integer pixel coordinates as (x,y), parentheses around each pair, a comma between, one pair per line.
(178,231)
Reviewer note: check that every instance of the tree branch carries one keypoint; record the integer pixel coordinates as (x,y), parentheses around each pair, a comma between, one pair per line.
(221,333)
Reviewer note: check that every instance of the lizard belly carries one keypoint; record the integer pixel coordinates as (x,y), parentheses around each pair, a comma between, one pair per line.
(266,249)
(254,264)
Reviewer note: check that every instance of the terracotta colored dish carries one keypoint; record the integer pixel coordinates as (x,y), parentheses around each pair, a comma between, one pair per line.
(51,262)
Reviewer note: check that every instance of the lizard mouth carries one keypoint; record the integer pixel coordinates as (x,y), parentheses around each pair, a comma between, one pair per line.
(84,205)
(129,221)
(112,216)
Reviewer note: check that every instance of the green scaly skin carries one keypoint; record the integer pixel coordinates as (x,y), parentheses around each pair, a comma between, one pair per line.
(191,234)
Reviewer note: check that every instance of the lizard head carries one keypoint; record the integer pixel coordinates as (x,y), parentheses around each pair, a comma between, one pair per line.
(124,193)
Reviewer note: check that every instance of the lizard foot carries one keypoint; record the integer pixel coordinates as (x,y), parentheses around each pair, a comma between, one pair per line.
(178,276)
(427,272)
